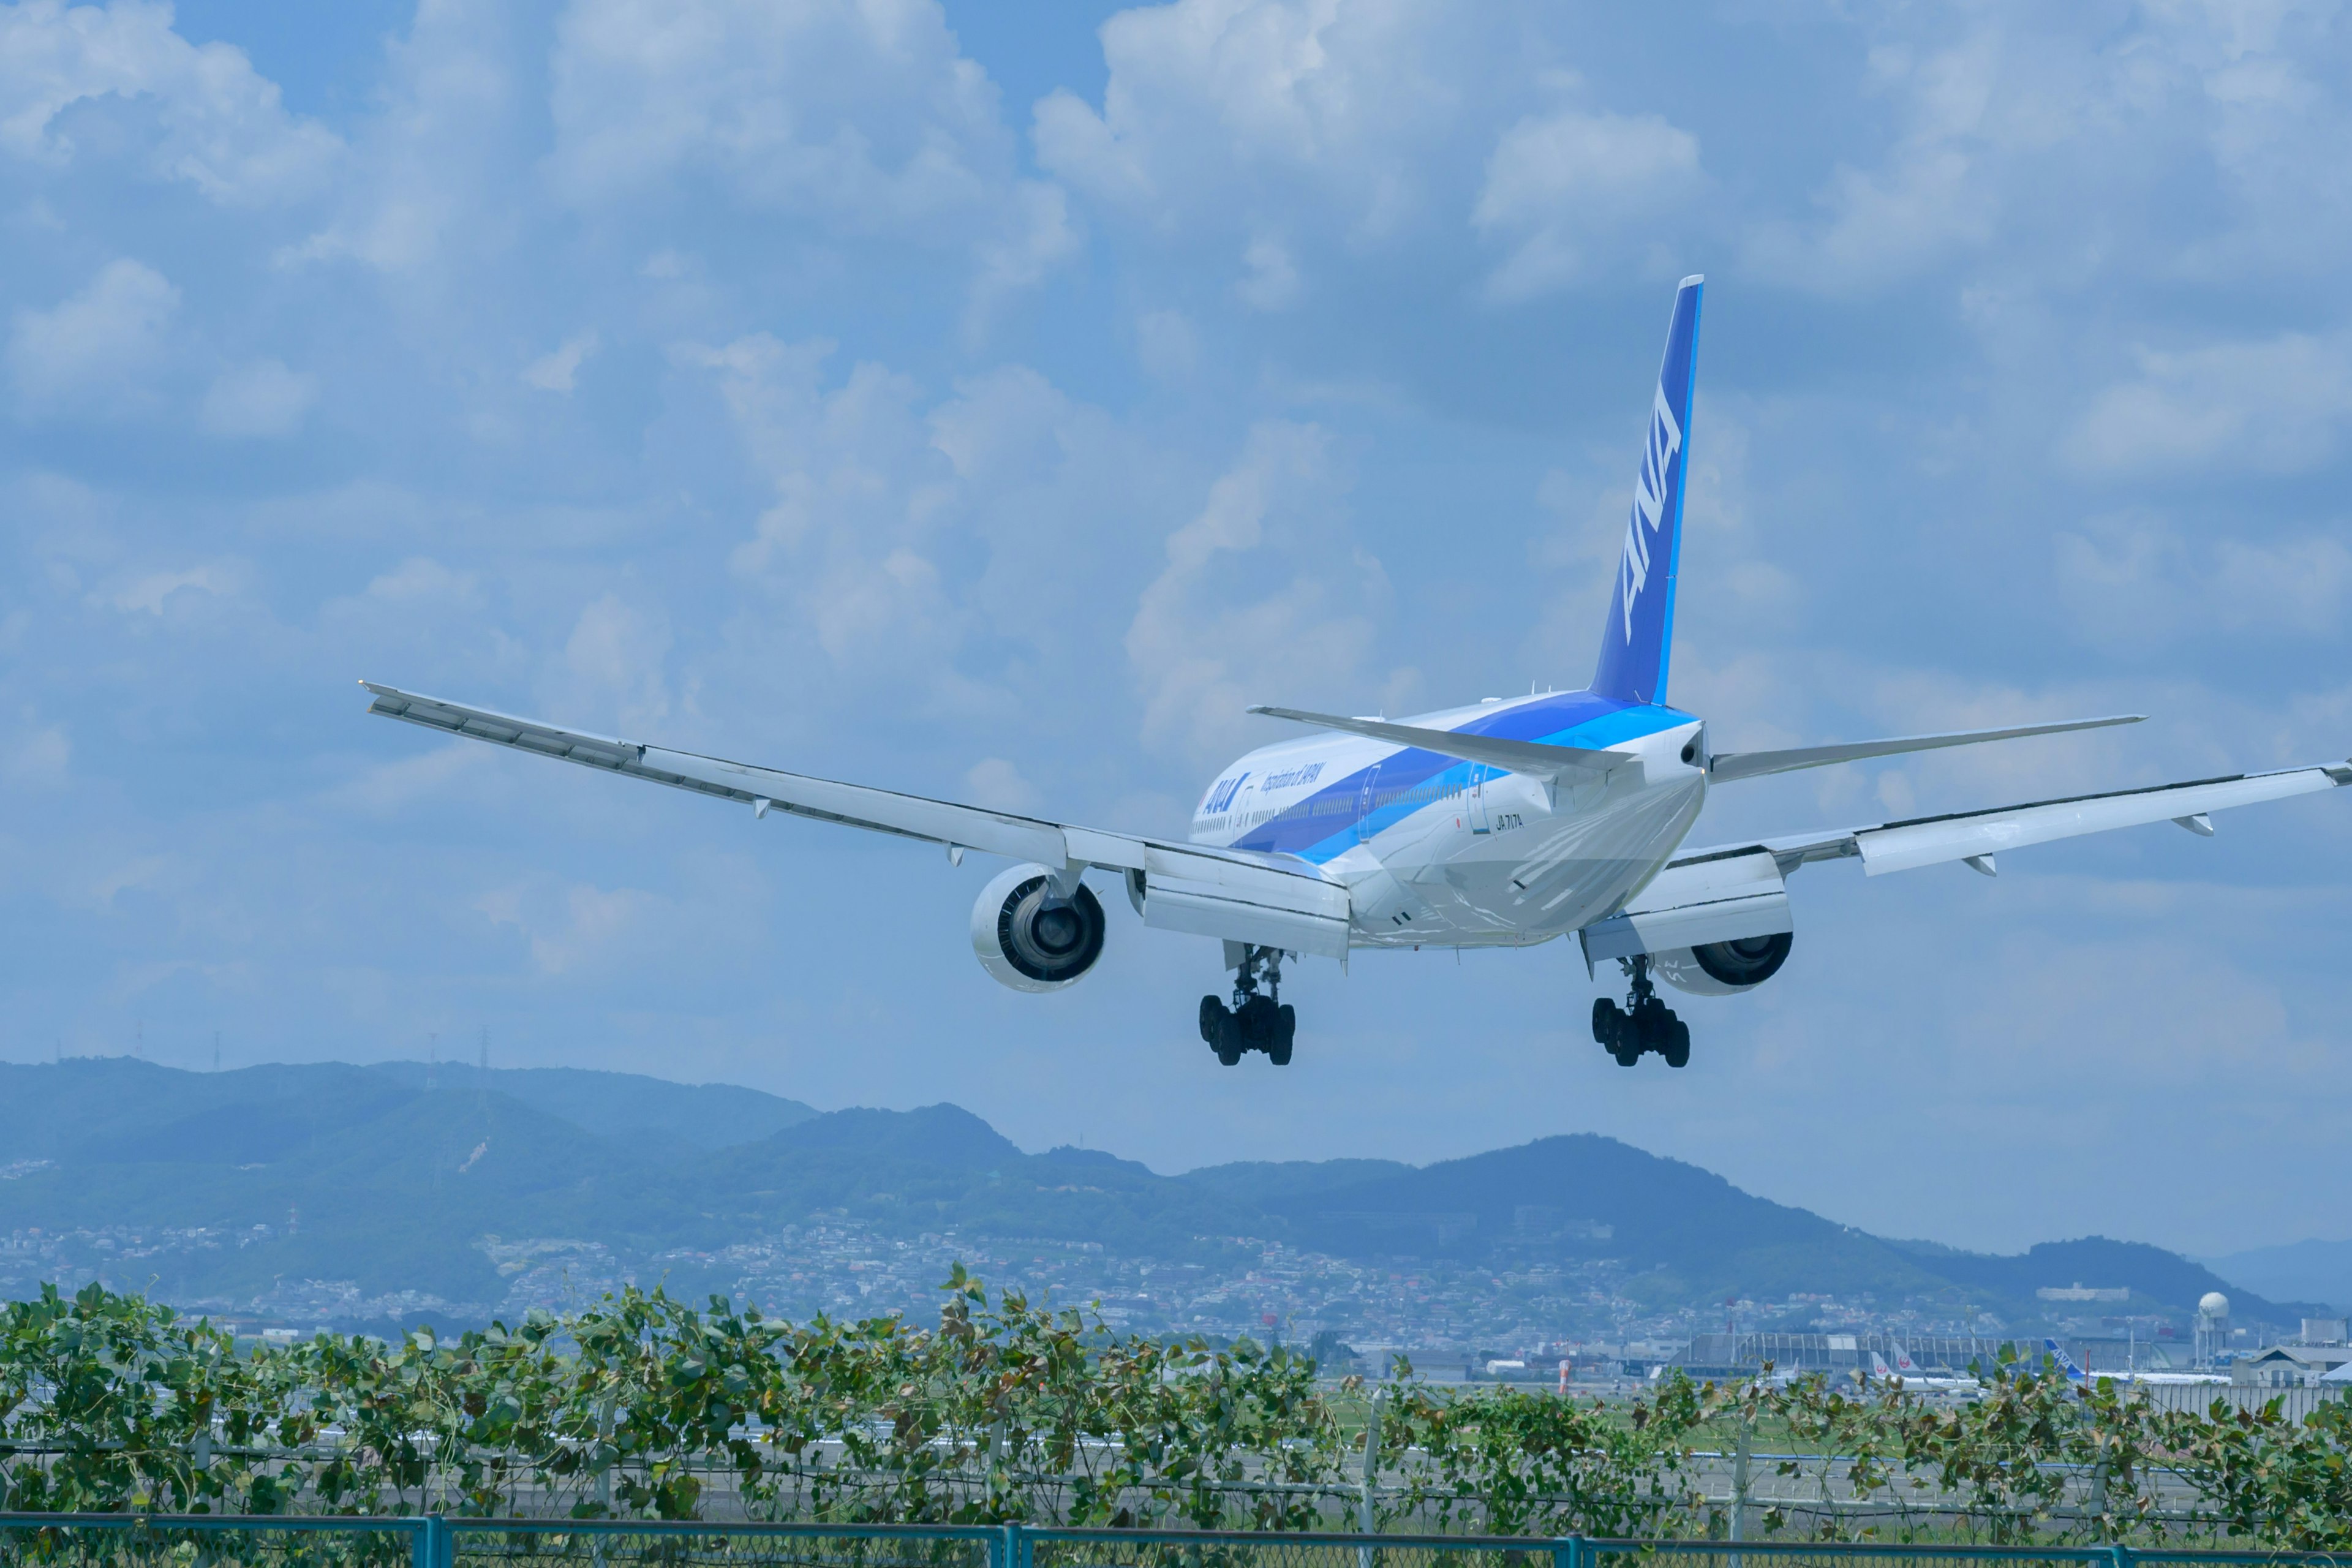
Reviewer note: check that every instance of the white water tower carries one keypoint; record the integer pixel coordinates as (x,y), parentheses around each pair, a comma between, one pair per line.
(2212,1328)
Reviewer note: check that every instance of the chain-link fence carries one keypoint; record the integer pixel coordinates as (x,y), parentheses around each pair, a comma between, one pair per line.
(130,1540)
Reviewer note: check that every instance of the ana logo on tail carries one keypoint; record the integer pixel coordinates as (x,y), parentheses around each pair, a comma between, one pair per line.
(2066,1363)
(1649,502)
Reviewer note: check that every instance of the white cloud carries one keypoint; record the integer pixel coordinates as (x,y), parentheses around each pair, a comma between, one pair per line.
(97,349)
(998,785)
(559,371)
(615,662)
(422,581)
(2279,405)
(584,926)
(439,167)
(1166,344)
(866,118)
(1203,647)
(1559,187)
(153,593)
(38,756)
(219,124)
(1272,282)
(263,398)
(1224,111)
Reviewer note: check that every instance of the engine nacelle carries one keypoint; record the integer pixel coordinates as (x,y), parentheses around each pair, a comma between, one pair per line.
(1030,941)
(1723,968)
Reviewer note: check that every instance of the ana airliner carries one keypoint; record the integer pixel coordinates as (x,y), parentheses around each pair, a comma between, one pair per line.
(1502,823)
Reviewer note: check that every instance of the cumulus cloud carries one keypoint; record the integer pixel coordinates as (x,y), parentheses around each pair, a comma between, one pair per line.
(615,662)
(97,349)
(1227,110)
(559,371)
(153,593)
(263,398)
(2277,405)
(1203,648)
(216,123)
(1559,187)
(999,784)
(437,168)
(865,120)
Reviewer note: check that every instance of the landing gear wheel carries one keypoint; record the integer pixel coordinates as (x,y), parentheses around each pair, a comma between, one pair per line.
(1256,1021)
(1286,1028)
(1676,1048)
(1604,1022)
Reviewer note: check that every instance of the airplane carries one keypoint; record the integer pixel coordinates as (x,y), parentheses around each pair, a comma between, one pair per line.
(1913,1377)
(2076,1374)
(1500,823)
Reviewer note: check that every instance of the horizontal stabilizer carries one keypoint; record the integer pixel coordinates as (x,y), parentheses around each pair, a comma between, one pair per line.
(1728,765)
(1530,757)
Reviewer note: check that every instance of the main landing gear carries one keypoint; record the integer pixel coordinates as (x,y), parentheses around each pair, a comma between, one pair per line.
(1644,1023)
(1254,1022)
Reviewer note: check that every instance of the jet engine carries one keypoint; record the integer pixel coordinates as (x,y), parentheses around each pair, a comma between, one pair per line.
(1030,940)
(1723,968)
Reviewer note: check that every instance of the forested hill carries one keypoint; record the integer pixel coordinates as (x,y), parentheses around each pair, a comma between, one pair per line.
(399,1176)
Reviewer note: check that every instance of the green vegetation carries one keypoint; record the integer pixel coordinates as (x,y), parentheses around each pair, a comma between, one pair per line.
(645,1407)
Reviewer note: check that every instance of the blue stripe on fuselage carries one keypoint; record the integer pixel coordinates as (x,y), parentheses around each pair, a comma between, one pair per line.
(1331,821)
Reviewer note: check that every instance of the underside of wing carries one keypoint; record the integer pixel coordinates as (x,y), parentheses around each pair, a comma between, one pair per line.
(1238,894)
(1726,767)
(1976,836)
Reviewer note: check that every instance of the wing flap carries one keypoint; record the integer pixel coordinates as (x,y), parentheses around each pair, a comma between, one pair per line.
(1268,915)
(1691,903)
(1726,767)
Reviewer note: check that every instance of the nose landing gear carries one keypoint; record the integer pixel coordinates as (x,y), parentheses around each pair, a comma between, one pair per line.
(1255,1022)
(1644,1023)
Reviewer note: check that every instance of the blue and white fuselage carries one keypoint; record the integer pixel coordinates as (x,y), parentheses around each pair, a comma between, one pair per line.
(1434,850)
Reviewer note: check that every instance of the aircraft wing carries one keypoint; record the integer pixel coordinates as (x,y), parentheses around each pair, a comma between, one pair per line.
(1236,894)
(1977,835)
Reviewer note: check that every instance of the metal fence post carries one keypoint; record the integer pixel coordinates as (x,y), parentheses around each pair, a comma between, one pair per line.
(1567,1551)
(436,1547)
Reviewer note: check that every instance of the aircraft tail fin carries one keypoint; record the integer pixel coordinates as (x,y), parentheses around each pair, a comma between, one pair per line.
(2066,1363)
(1878,1367)
(1903,1362)
(1636,642)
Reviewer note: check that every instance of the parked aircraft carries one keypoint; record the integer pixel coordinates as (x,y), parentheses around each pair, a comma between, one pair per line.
(2076,1373)
(1501,822)
(1914,1377)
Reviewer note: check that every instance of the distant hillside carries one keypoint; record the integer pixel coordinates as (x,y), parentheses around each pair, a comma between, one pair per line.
(330,1172)
(623,1105)
(2315,1270)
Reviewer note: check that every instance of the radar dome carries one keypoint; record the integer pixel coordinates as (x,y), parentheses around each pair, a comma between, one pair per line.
(2213,1304)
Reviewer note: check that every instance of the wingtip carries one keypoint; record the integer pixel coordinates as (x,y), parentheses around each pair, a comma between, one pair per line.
(1258,708)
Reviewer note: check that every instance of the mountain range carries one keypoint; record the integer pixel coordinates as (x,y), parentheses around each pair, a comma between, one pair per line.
(402,1176)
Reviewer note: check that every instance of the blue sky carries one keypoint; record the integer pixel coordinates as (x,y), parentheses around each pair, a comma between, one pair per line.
(992,402)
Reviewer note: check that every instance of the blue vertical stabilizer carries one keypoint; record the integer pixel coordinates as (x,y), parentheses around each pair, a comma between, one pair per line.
(1635,643)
